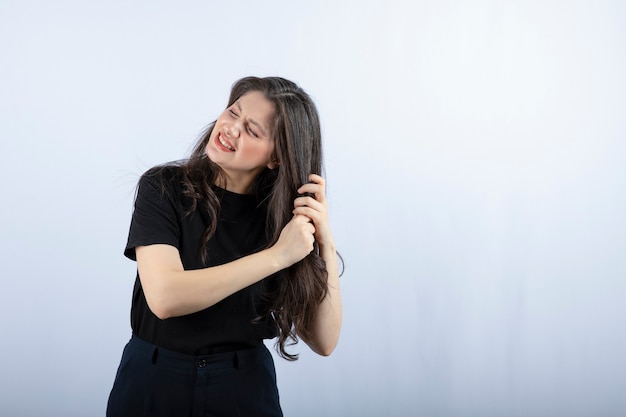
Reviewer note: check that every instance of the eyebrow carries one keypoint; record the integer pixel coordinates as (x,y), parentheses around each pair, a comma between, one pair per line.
(252,121)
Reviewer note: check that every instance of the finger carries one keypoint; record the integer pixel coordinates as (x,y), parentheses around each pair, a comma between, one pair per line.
(317,195)
(311,190)
(311,214)
(317,179)
(311,234)
(307,221)
(316,185)
(320,184)
(300,218)
(308,202)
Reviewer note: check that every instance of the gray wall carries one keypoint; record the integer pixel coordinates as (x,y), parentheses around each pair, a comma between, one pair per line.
(475,161)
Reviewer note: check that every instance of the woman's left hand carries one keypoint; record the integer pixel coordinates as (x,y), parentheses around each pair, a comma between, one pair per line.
(328,317)
(315,208)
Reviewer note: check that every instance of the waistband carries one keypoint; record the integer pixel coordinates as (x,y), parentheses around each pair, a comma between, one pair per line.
(238,359)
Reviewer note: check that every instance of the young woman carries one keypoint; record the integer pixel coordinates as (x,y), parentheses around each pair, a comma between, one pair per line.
(233,246)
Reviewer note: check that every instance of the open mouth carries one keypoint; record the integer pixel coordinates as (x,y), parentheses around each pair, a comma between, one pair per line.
(225,144)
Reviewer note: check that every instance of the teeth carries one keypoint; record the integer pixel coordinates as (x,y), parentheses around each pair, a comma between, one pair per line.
(224,144)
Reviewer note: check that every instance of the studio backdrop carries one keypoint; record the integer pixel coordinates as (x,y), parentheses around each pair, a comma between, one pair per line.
(476,169)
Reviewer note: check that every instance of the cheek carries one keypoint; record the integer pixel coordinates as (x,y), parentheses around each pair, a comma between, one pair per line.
(272,148)
(209,146)
(271,153)
(261,149)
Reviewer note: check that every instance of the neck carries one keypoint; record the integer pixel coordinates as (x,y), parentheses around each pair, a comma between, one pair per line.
(234,184)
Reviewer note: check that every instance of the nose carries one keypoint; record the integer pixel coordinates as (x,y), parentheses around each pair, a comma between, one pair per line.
(233,129)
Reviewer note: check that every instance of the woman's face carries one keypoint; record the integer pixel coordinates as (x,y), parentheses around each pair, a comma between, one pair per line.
(241,142)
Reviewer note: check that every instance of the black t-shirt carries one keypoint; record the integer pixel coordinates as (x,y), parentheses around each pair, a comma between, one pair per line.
(160,218)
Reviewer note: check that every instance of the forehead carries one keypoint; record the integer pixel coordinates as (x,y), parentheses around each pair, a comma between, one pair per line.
(255,106)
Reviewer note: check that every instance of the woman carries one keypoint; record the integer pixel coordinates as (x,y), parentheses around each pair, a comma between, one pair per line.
(233,246)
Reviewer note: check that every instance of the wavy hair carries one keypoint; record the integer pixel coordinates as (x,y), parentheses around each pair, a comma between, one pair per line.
(297,291)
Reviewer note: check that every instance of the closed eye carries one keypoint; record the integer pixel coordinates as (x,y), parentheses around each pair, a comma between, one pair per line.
(253,133)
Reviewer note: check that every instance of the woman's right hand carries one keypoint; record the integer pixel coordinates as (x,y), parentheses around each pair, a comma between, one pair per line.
(295,241)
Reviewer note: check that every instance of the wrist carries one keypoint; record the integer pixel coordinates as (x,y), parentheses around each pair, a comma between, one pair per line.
(327,247)
(276,259)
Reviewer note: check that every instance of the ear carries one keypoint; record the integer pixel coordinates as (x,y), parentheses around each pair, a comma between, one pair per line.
(273,163)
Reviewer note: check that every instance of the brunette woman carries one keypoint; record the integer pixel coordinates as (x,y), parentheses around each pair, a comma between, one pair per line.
(233,246)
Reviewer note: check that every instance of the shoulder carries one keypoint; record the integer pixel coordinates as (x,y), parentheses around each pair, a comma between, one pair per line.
(167,177)
(162,183)
(167,172)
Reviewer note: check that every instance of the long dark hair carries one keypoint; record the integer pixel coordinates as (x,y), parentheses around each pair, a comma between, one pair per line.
(298,290)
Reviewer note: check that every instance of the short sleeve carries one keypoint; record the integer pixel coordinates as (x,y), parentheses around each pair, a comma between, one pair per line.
(155,218)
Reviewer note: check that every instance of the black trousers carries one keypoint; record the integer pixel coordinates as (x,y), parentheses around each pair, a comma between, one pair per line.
(156,382)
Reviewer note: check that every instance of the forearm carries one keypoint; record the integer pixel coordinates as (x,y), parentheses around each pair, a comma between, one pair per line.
(327,324)
(328,319)
(172,291)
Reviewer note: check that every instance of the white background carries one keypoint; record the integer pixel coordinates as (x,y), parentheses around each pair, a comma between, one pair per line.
(475,159)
